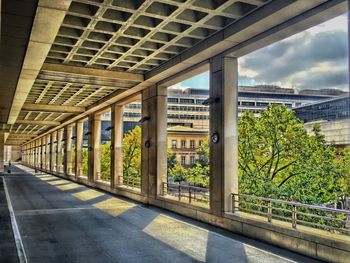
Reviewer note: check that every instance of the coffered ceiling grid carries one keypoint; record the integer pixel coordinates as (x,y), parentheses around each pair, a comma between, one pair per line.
(138,35)
(63,93)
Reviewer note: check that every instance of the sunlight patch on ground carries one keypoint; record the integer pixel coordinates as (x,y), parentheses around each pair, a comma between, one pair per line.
(114,206)
(67,187)
(183,237)
(58,182)
(87,194)
(47,178)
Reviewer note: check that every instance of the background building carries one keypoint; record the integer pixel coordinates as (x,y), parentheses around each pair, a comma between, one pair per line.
(333,117)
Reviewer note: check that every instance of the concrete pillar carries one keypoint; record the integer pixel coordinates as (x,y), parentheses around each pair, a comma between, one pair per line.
(94,143)
(43,146)
(53,147)
(79,148)
(223,123)
(68,150)
(349,43)
(2,149)
(154,141)
(117,145)
(48,154)
(32,155)
(36,153)
(91,142)
(59,151)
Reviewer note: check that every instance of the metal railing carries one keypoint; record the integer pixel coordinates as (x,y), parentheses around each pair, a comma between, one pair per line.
(186,193)
(315,216)
(130,181)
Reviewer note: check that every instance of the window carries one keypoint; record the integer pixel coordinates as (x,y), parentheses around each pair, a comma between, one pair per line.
(200,142)
(192,159)
(173,100)
(192,145)
(174,144)
(183,144)
(262,104)
(183,159)
(248,103)
(198,101)
(187,101)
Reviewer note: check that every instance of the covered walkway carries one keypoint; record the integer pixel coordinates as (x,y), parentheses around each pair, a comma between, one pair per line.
(62,221)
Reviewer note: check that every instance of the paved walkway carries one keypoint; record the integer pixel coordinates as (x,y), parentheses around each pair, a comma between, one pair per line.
(61,221)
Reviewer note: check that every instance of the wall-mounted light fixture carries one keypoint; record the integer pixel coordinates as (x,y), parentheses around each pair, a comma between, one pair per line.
(147,144)
(109,128)
(210,101)
(143,119)
(88,133)
(74,137)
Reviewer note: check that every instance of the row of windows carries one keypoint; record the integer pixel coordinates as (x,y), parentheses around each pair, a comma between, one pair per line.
(198,101)
(188,117)
(184,144)
(188,108)
(192,159)
(132,114)
(262,104)
(186,101)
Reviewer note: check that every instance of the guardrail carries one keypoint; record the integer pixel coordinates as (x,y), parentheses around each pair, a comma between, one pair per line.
(129,181)
(186,193)
(296,213)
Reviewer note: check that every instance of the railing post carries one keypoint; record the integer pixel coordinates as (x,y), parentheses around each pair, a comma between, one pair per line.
(269,211)
(294,216)
(347,221)
(179,192)
(233,203)
(189,195)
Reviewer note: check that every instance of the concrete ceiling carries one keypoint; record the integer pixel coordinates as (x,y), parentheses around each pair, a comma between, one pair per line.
(16,21)
(83,55)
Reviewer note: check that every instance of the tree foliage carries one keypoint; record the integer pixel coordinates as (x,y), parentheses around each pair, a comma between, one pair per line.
(132,153)
(279,159)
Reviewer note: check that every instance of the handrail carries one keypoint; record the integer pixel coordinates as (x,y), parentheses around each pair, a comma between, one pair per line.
(187,193)
(295,212)
(130,181)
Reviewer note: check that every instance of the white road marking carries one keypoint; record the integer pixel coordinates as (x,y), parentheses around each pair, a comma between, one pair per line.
(18,240)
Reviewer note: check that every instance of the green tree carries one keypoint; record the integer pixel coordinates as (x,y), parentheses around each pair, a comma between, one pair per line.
(342,163)
(171,159)
(178,173)
(278,159)
(85,158)
(203,153)
(132,153)
(105,161)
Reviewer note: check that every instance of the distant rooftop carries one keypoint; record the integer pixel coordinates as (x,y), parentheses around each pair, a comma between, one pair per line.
(274,89)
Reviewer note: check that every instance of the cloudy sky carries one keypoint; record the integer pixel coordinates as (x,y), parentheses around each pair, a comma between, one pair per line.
(313,59)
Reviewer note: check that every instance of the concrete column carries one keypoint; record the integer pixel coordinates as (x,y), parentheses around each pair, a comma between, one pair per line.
(68,150)
(117,145)
(154,141)
(59,151)
(79,148)
(53,147)
(32,154)
(223,122)
(43,147)
(2,150)
(94,160)
(48,154)
(91,145)
(36,152)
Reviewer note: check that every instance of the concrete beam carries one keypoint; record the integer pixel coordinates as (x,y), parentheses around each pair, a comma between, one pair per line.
(48,19)
(43,123)
(92,72)
(52,108)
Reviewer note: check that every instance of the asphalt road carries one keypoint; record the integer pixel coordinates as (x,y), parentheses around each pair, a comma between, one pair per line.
(61,221)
